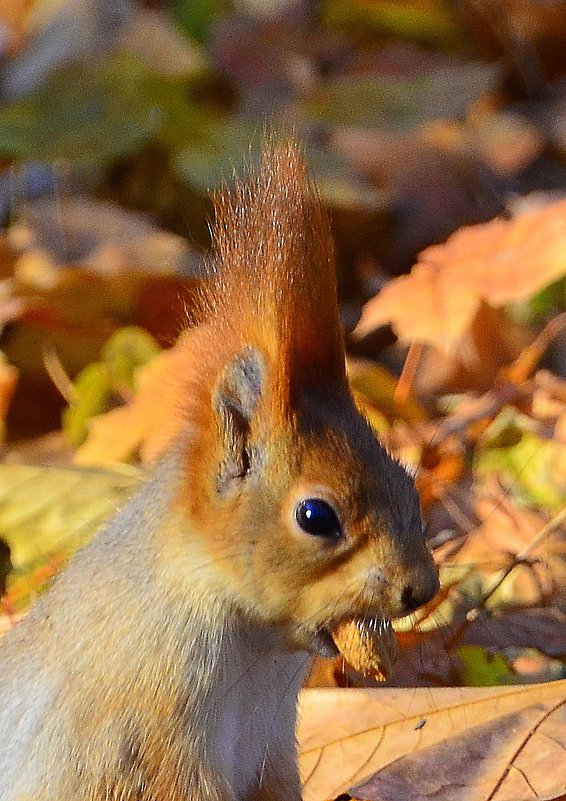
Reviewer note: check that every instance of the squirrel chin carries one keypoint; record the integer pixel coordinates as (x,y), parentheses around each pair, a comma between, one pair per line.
(324,645)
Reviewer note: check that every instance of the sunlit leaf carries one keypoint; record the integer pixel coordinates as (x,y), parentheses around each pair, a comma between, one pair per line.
(481,668)
(451,744)
(532,469)
(48,513)
(127,350)
(142,425)
(378,386)
(91,389)
(499,262)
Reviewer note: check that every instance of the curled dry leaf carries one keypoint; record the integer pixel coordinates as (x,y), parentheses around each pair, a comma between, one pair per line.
(499,262)
(368,645)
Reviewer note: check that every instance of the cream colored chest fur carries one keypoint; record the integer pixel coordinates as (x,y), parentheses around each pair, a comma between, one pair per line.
(255,715)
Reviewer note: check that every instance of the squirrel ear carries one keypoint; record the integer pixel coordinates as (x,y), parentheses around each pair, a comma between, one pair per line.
(235,400)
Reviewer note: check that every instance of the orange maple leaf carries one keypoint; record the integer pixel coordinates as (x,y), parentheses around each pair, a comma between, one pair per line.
(498,262)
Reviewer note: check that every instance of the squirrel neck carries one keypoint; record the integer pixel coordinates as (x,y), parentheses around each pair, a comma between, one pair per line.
(208,682)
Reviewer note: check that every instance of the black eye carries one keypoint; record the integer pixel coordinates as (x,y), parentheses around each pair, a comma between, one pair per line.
(318,518)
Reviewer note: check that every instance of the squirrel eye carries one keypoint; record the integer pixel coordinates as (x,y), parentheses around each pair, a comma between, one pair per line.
(318,518)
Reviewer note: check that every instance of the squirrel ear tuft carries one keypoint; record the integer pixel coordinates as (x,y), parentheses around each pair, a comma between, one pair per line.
(235,400)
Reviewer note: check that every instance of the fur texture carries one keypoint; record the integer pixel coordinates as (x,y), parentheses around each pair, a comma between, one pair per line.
(165,662)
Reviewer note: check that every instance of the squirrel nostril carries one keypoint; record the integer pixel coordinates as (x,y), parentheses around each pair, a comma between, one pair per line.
(410,601)
(426,588)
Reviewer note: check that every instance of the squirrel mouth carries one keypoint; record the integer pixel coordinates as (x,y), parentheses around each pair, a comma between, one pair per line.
(368,644)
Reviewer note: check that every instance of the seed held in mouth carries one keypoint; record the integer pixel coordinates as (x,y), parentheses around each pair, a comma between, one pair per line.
(368,644)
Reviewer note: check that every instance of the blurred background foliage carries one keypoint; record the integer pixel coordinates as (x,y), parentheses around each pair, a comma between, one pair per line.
(419,119)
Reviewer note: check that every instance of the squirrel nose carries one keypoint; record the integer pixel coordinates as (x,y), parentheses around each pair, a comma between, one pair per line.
(412,598)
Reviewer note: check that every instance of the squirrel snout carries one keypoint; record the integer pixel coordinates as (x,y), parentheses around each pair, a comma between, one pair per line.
(418,589)
(418,594)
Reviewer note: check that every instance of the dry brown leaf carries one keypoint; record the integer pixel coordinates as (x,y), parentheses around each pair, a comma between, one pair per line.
(505,533)
(369,645)
(501,743)
(499,262)
(433,656)
(543,629)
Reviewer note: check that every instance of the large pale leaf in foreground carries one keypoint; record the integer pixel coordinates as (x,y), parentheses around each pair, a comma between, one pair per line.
(496,744)
(48,512)
(499,262)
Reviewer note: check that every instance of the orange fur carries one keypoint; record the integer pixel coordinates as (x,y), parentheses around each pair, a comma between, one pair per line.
(166,661)
(274,281)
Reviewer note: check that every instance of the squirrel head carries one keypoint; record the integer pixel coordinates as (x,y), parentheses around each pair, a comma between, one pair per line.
(304,517)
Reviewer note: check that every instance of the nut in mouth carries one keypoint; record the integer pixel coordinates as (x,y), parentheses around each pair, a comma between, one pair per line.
(368,644)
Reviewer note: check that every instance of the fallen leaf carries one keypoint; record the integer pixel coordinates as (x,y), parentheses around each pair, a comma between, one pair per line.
(499,262)
(99,383)
(482,668)
(543,629)
(532,469)
(432,191)
(108,111)
(429,23)
(504,743)
(431,656)
(48,513)
(377,385)
(108,239)
(141,424)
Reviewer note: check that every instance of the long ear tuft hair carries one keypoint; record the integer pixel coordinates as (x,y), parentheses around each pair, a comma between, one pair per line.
(273,276)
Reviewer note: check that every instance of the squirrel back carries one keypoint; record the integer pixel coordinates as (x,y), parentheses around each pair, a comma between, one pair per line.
(166,660)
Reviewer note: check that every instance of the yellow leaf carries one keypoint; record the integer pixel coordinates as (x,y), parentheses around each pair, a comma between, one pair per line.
(50,512)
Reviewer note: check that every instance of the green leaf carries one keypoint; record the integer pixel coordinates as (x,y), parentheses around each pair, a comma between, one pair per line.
(92,114)
(196,17)
(126,350)
(551,298)
(227,147)
(92,388)
(432,24)
(87,114)
(222,149)
(480,668)
(532,469)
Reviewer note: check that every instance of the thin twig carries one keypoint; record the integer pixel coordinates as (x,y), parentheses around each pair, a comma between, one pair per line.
(58,374)
(473,613)
(407,377)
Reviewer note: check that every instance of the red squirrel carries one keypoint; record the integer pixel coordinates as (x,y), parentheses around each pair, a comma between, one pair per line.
(164,663)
